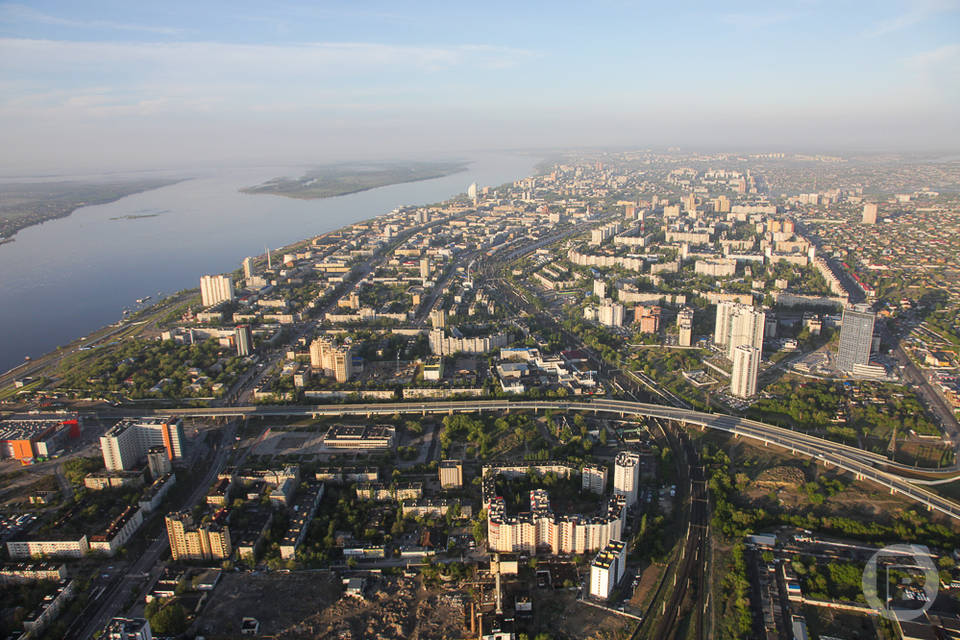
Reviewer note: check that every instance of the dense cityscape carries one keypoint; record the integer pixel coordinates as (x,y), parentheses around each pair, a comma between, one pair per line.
(636,394)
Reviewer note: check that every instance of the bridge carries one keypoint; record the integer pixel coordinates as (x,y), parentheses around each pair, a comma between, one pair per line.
(864,465)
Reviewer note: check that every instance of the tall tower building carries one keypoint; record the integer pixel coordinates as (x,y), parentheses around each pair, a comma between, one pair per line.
(425,268)
(746,367)
(738,324)
(626,476)
(856,337)
(188,541)
(438,319)
(600,289)
(870,213)
(216,289)
(158,462)
(244,340)
(685,325)
(247,267)
(126,443)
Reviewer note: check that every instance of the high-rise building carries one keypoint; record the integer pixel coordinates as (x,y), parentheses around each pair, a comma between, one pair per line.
(451,474)
(648,318)
(593,478)
(685,326)
(721,204)
(610,314)
(247,268)
(425,268)
(158,462)
(607,569)
(335,360)
(438,319)
(472,191)
(626,476)
(128,629)
(746,367)
(870,213)
(126,443)
(738,324)
(244,340)
(210,540)
(690,203)
(600,289)
(856,337)
(215,289)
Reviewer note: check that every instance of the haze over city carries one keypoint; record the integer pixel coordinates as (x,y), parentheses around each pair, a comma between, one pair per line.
(89,86)
(499,321)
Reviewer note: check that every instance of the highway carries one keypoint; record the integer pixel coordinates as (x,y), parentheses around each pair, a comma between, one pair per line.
(864,465)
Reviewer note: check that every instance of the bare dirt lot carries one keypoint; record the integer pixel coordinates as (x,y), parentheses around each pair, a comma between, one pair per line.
(313,605)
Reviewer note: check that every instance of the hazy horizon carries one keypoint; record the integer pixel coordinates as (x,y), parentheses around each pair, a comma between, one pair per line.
(98,87)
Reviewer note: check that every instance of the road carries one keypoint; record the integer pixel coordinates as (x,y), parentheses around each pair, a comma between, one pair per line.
(864,465)
(112,601)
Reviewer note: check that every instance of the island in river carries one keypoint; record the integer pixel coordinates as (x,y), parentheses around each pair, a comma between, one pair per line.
(23,204)
(340,180)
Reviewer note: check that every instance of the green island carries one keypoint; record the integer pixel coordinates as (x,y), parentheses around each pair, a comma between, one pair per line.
(24,204)
(329,182)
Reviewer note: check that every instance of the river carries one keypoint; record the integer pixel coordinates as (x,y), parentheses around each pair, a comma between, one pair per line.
(67,277)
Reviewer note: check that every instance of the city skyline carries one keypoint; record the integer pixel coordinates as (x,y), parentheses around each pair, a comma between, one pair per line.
(135,87)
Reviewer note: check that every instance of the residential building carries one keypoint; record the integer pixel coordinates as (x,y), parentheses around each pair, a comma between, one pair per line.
(647,318)
(626,476)
(593,478)
(216,289)
(607,569)
(333,359)
(870,213)
(685,327)
(208,540)
(127,443)
(158,462)
(856,337)
(244,340)
(738,324)
(746,367)
(610,314)
(127,629)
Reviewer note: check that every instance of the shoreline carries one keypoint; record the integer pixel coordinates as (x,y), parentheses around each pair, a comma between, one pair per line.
(122,322)
(259,190)
(74,208)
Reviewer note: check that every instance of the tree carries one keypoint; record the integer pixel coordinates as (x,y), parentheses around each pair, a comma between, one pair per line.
(166,617)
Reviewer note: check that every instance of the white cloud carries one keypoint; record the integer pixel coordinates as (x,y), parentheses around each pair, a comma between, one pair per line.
(18,13)
(918,12)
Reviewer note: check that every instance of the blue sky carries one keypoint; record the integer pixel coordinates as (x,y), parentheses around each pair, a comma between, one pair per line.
(121,83)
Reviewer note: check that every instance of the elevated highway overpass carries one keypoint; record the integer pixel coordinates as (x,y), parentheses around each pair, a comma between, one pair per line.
(863,464)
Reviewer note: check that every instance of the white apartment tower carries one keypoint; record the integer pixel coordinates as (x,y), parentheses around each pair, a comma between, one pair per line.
(593,478)
(600,289)
(685,327)
(746,367)
(247,267)
(738,324)
(610,314)
(215,289)
(626,476)
(129,441)
(607,569)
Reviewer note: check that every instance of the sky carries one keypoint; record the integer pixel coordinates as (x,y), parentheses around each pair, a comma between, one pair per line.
(128,85)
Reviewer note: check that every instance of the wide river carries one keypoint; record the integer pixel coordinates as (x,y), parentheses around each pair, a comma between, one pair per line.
(67,277)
